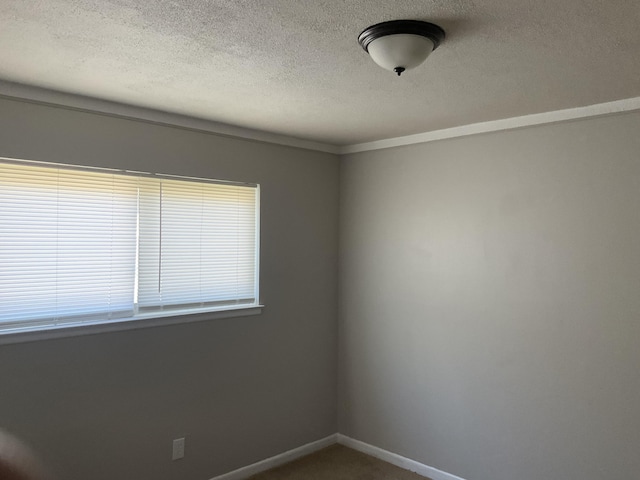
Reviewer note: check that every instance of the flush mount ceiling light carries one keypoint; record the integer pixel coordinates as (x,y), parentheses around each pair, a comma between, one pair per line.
(400,44)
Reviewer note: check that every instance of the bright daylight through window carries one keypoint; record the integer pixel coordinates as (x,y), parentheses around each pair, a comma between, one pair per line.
(82,246)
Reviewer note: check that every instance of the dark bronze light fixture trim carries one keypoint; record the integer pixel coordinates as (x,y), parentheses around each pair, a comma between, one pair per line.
(413,27)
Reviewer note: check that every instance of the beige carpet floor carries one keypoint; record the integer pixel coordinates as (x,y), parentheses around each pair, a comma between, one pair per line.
(337,463)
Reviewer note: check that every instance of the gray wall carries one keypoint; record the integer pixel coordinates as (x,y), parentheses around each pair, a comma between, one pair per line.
(107,406)
(490,301)
(488,319)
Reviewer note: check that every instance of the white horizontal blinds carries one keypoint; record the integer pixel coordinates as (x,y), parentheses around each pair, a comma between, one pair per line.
(148,293)
(67,245)
(197,244)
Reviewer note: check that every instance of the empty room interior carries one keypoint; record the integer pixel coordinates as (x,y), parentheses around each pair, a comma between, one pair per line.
(238,234)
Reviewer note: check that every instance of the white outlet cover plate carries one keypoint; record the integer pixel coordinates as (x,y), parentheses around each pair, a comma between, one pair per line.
(178,449)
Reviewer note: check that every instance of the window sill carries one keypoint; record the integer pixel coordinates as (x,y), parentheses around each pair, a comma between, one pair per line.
(21,335)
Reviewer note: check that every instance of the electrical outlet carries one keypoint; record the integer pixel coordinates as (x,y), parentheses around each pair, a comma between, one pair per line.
(178,449)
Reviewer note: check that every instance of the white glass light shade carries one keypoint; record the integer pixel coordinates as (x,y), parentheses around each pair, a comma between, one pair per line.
(400,51)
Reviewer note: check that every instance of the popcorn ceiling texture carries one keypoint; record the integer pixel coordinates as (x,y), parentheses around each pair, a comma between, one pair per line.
(294,67)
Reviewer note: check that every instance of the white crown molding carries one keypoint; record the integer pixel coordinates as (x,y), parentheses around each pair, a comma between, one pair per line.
(597,110)
(272,462)
(17,91)
(395,459)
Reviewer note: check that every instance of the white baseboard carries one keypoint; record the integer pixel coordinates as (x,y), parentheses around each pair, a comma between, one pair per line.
(266,464)
(395,459)
(389,457)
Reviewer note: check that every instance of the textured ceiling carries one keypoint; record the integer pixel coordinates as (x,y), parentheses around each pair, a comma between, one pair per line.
(294,67)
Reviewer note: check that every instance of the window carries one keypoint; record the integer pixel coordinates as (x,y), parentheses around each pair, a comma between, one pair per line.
(82,246)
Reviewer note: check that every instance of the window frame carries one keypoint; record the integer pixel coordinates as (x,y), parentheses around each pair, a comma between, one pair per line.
(139,320)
